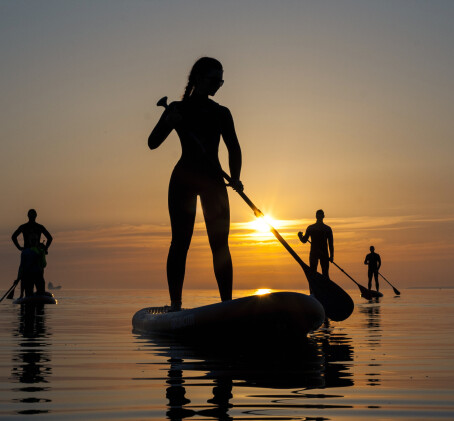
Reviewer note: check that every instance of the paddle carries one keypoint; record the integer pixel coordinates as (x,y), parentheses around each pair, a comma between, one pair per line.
(368,294)
(337,303)
(396,291)
(10,292)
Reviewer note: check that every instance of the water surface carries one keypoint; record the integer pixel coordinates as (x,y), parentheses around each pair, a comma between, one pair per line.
(79,360)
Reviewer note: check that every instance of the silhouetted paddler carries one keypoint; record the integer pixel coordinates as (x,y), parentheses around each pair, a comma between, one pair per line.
(196,174)
(373,260)
(321,239)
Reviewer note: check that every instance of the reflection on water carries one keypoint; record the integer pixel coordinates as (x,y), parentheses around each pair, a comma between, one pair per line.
(320,362)
(32,359)
(392,359)
(373,334)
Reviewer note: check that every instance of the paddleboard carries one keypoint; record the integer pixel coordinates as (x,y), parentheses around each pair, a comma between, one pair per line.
(371,294)
(46,298)
(268,314)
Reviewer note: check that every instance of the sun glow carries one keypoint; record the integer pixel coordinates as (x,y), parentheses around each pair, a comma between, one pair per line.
(262,291)
(263,223)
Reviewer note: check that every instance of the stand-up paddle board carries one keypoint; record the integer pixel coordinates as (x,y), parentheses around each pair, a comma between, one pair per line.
(270,314)
(371,294)
(46,298)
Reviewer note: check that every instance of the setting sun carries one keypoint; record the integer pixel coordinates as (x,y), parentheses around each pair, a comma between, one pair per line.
(262,291)
(263,223)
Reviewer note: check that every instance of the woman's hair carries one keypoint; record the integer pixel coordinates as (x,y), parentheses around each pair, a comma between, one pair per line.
(201,67)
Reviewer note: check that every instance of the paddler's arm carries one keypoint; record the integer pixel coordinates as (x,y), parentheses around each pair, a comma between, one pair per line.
(49,238)
(379,262)
(331,245)
(163,128)
(14,238)
(304,238)
(233,146)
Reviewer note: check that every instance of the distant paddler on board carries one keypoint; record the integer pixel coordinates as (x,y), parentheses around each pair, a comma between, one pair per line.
(321,236)
(373,261)
(33,255)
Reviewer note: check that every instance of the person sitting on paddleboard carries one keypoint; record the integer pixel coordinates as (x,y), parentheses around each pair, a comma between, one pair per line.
(31,232)
(374,261)
(200,123)
(321,240)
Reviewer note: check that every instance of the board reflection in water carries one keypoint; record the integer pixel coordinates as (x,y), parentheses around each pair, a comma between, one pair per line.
(32,361)
(287,370)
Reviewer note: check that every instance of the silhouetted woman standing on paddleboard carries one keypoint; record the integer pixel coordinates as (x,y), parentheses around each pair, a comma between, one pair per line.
(200,123)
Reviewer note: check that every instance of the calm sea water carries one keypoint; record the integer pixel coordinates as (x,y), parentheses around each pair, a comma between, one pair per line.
(79,360)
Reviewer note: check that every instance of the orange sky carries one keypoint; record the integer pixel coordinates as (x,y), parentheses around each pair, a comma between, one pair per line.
(342,105)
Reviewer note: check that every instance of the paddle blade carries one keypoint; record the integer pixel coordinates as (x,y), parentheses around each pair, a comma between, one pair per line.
(10,296)
(337,303)
(396,291)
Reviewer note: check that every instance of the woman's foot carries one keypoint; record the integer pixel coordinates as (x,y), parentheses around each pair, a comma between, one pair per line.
(175,306)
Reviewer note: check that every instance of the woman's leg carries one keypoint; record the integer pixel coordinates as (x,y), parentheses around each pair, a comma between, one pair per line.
(216,210)
(182,210)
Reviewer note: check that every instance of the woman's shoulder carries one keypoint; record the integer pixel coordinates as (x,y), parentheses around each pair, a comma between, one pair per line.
(222,107)
(222,110)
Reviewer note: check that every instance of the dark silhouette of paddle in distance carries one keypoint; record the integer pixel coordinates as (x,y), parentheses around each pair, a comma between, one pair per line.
(368,294)
(396,291)
(11,294)
(337,303)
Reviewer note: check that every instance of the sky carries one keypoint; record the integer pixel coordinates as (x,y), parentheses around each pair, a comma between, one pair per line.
(341,105)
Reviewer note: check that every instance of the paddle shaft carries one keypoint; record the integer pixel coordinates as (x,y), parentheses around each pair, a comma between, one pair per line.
(396,291)
(9,290)
(258,213)
(345,273)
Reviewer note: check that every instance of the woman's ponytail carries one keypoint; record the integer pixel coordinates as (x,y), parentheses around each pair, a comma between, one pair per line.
(200,68)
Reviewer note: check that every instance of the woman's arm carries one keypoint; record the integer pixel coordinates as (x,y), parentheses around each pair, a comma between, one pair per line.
(233,146)
(161,130)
